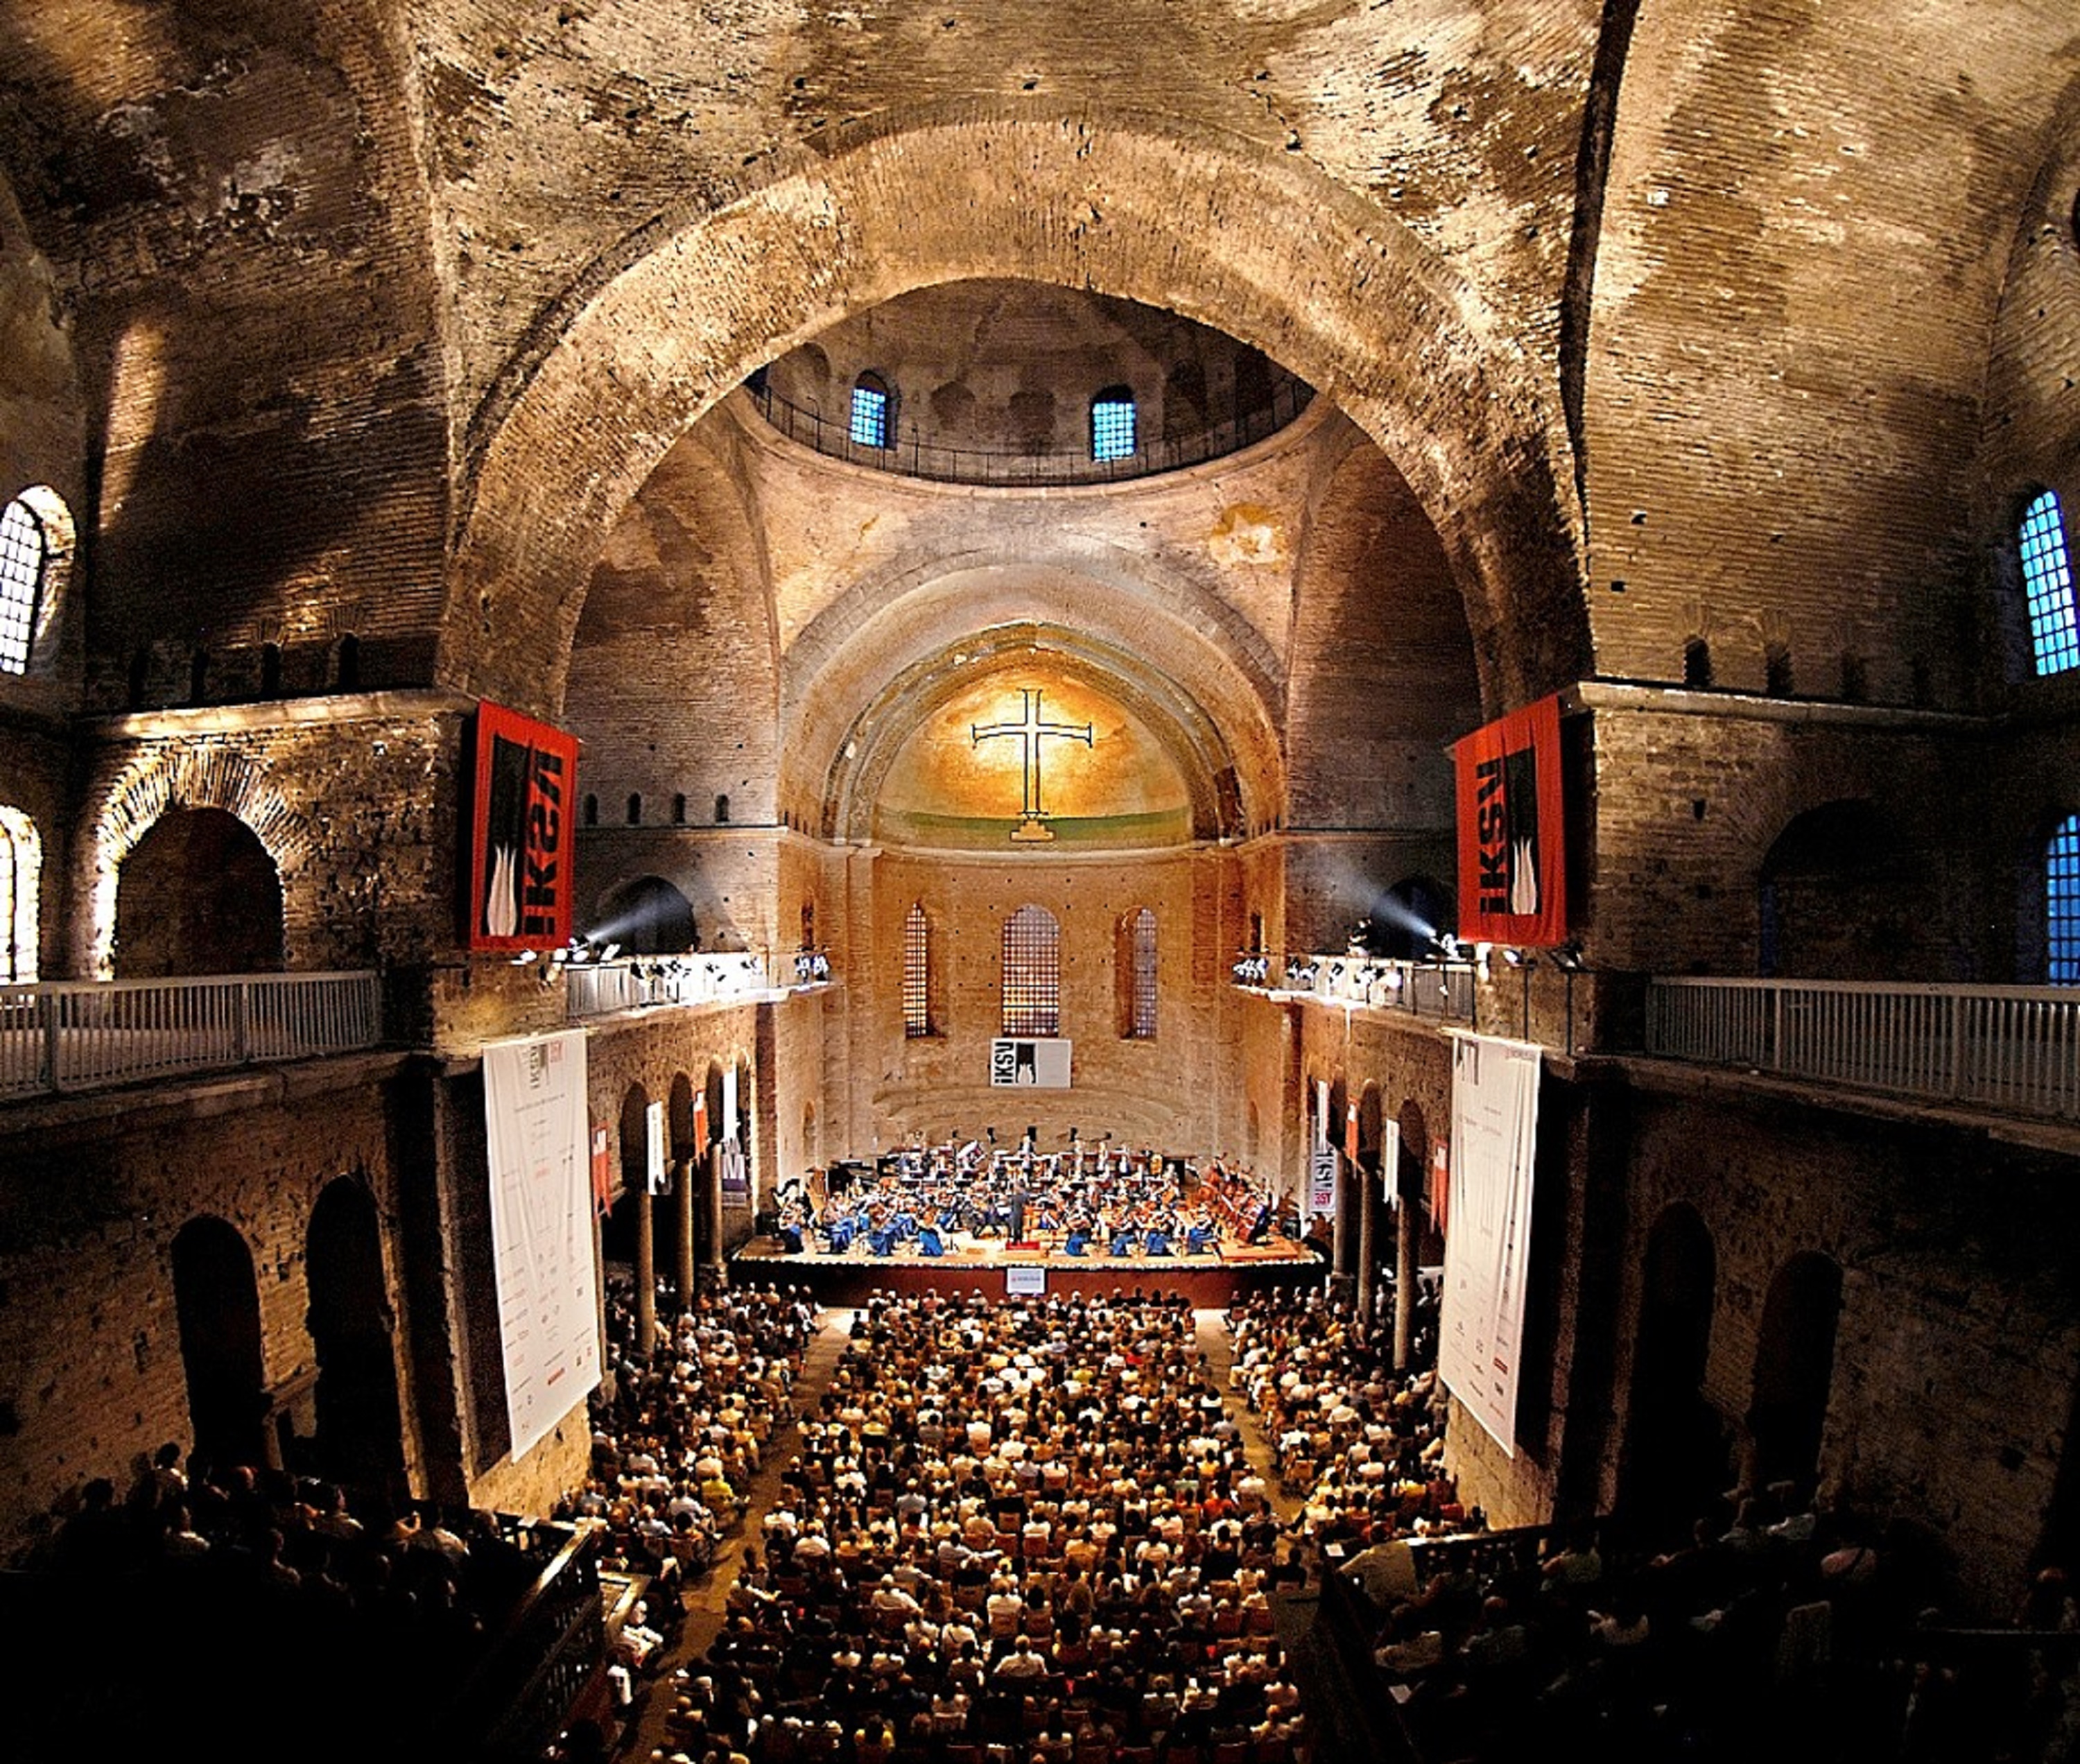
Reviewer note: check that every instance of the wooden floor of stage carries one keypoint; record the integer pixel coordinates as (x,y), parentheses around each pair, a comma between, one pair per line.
(996,1268)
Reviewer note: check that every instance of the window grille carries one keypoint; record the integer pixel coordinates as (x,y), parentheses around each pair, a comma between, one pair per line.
(1112,425)
(2046,576)
(24,552)
(2062,904)
(1032,973)
(1141,1025)
(870,412)
(917,974)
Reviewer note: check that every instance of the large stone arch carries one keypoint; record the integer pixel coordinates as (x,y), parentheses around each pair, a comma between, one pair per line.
(1222,230)
(207,776)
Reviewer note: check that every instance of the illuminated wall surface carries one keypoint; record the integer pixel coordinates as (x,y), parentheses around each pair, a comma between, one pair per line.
(947,790)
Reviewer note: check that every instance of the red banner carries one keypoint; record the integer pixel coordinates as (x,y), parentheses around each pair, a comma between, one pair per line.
(1512,843)
(1350,1132)
(526,799)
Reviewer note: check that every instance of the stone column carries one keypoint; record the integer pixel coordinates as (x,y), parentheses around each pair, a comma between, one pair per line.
(1367,1244)
(688,1177)
(1404,1281)
(646,1275)
(715,1275)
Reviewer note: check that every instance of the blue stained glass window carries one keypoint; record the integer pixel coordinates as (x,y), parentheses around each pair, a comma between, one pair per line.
(870,412)
(2047,578)
(2062,903)
(1112,425)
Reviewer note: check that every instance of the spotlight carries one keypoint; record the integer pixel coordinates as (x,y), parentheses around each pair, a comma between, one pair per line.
(609,952)
(1567,958)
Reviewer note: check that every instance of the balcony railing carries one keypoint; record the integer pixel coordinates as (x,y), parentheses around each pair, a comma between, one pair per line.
(2013,1048)
(914,456)
(1437,992)
(71,1036)
(630,983)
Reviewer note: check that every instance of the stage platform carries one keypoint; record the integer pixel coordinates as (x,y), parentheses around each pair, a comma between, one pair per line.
(997,1270)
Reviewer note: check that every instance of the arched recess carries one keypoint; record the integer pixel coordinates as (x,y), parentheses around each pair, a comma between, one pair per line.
(1794,1370)
(617,1231)
(21,897)
(1837,899)
(1345,1225)
(1370,1115)
(1406,921)
(199,894)
(686,559)
(1322,280)
(135,801)
(1211,713)
(360,1438)
(684,1151)
(1675,1456)
(648,916)
(706,1176)
(1382,668)
(216,1304)
(747,1118)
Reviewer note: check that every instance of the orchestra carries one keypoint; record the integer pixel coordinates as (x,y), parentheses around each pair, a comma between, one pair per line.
(1101,1199)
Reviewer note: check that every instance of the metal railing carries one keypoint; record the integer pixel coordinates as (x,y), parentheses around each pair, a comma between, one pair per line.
(915,456)
(633,982)
(1437,992)
(75,1034)
(2015,1048)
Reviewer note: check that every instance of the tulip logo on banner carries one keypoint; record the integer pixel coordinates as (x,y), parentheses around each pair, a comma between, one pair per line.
(1512,851)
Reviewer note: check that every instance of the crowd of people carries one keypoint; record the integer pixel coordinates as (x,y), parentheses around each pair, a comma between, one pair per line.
(679,1431)
(1027,1524)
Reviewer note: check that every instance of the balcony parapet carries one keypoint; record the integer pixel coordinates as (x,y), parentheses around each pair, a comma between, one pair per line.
(2012,1049)
(81,1034)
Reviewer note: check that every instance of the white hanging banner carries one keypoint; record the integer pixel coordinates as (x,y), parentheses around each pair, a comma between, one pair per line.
(653,1146)
(536,1135)
(1487,1255)
(729,1102)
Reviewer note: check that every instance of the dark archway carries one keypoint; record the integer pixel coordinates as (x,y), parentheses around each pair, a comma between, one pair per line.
(1674,1458)
(1838,897)
(1413,1182)
(646,916)
(617,1229)
(216,1301)
(1344,1242)
(1794,1370)
(1407,923)
(360,1438)
(199,894)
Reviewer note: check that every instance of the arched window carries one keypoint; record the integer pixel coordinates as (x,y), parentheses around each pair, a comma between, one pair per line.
(21,876)
(1141,959)
(24,559)
(2046,581)
(917,974)
(1032,973)
(2061,904)
(1111,424)
(872,409)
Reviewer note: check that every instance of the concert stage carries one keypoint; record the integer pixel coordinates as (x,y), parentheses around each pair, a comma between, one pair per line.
(999,1269)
